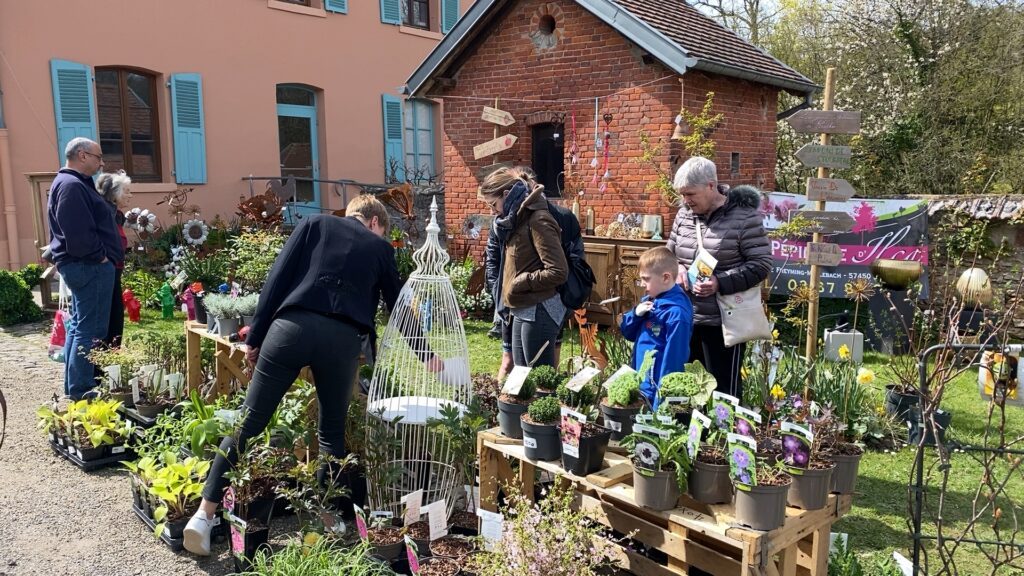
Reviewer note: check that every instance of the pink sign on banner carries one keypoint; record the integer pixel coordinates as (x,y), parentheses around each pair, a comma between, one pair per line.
(856,255)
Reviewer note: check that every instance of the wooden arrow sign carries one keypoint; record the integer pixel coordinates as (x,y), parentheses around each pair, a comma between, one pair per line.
(829,189)
(495,116)
(824,254)
(492,147)
(825,121)
(816,155)
(826,222)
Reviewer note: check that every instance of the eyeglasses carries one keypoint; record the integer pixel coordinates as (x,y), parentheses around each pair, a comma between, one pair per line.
(98,156)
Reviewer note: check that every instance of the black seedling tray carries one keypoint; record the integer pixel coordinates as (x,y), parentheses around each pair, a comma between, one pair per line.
(96,464)
(178,544)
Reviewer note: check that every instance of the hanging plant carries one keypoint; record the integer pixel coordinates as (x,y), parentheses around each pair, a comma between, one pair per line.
(195,231)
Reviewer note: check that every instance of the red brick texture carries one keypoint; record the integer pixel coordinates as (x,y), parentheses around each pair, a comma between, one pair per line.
(589,60)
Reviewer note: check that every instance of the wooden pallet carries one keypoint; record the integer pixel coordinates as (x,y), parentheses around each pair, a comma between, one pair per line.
(696,535)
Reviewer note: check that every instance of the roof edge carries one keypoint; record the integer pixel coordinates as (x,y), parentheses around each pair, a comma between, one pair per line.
(415,85)
(706,65)
(667,51)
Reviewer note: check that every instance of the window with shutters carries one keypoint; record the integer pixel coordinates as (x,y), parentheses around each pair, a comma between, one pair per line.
(416,13)
(418,141)
(429,15)
(129,128)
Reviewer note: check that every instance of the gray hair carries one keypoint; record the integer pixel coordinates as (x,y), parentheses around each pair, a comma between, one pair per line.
(697,171)
(112,185)
(77,145)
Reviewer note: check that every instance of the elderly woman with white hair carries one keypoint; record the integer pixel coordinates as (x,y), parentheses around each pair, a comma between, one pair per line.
(116,189)
(731,230)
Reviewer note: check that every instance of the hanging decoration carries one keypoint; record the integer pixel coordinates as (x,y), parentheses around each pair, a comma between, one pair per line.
(597,139)
(607,174)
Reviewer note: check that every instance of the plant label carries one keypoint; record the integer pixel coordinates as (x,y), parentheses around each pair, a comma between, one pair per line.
(381,514)
(361,523)
(572,428)
(796,445)
(698,423)
(666,419)
(437,518)
(173,383)
(773,371)
(665,434)
(515,379)
(117,450)
(742,462)
(716,395)
(134,383)
(612,425)
(643,418)
(491,524)
(647,458)
(113,373)
(619,372)
(413,503)
(529,441)
(681,400)
(746,421)
(410,554)
(723,410)
(582,378)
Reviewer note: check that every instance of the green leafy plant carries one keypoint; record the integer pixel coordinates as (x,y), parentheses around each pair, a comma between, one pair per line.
(247,304)
(164,348)
(202,427)
(31,274)
(845,389)
(312,499)
(382,470)
(253,254)
(16,302)
(460,428)
(210,269)
(624,390)
(695,383)
(143,285)
(545,378)
(221,305)
(128,358)
(315,556)
(95,422)
(698,142)
(545,410)
(673,456)
(178,484)
(583,401)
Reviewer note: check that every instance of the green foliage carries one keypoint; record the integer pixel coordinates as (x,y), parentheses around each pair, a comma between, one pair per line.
(460,429)
(252,255)
(382,470)
(221,305)
(527,391)
(312,499)
(798,226)
(16,302)
(698,141)
(545,410)
(582,401)
(545,378)
(694,383)
(31,274)
(480,303)
(672,450)
(321,558)
(177,485)
(143,284)
(211,269)
(843,388)
(163,348)
(651,155)
(624,390)
(247,304)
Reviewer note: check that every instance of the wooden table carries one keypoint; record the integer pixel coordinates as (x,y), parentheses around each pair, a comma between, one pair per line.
(229,360)
(697,535)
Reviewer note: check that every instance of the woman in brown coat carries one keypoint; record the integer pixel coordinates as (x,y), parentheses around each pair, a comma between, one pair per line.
(532,265)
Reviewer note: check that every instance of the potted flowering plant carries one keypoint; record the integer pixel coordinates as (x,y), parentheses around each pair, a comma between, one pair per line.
(661,463)
(709,475)
(694,383)
(807,464)
(845,391)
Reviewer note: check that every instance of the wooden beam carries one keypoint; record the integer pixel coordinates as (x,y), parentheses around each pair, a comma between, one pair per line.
(612,475)
(787,561)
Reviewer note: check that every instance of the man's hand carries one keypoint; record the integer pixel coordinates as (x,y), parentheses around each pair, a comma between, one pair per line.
(682,279)
(435,364)
(706,287)
(252,355)
(644,307)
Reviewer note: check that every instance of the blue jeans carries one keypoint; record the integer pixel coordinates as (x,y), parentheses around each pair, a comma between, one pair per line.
(91,286)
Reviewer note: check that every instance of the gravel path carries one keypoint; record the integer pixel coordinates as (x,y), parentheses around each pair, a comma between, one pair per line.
(54,518)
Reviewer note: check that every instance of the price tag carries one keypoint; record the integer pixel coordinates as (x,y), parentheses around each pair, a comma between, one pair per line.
(515,379)
(619,372)
(613,425)
(643,418)
(529,442)
(582,378)
(665,419)
(684,400)
(413,502)
(652,430)
(573,414)
(134,383)
(113,373)
(437,517)
(490,527)
(117,450)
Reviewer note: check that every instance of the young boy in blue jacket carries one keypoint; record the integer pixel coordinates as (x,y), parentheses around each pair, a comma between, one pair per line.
(662,321)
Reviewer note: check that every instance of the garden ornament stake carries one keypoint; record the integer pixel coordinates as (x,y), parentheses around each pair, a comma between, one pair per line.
(402,387)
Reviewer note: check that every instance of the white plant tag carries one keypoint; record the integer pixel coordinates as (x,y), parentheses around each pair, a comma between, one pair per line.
(684,400)
(413,502)
(613,425)
(173,382)
(529,442)
(665,419)
(749,414)
(515,379)
(381,514)
(716,395)
(652,430)
(490,527)
(134,383)
(582,378)
(791,427)
(570,450)
(113,373)
(643,418)
(619,372)
(117,450)
(437,517)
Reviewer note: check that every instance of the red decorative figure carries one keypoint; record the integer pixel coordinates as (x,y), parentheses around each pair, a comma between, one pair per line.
(132,305)
(190,304)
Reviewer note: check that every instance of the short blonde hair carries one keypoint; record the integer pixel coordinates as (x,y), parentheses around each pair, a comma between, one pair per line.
(367,206)
(499,182)
(659,260)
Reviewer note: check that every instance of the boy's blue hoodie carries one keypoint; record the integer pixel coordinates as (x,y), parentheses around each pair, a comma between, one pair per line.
(667,329)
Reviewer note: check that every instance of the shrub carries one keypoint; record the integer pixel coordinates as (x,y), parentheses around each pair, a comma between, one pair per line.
(695,383)
(144,285)
(582,400)
(252,254)
(32,275)
(624,390)
(166,349)
(210,270)
(16,302)
(546,410)
(545,378)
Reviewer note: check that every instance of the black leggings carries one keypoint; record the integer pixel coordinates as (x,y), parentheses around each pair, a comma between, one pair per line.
(708,347)
(297,338)
(529,337)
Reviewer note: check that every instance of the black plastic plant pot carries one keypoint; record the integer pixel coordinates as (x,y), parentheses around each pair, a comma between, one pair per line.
(174,529)
(390,552)
(942,421)
(253,541)
(761,507)
(811,487)
(657,492)
(619,420)
(200,310)
(844,478)
(709,483)
(541,441)
(509,415)
(591,453)
(125,398)
(898,404)
(89,453)
(260,509)
(136,493)
(150,410)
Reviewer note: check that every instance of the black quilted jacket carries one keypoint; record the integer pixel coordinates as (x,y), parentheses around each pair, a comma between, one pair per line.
(735,236)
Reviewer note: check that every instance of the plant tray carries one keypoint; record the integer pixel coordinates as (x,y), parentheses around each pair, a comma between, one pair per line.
(178,544)
(95,464)
(138,419)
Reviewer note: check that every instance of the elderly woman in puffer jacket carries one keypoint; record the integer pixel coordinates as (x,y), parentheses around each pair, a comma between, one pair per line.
(732,231)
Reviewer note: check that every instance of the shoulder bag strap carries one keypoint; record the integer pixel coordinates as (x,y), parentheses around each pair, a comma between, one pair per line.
(696,226)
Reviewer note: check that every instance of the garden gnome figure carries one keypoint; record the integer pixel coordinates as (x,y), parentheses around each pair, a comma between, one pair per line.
(166,296)
(132,305)
(189,302)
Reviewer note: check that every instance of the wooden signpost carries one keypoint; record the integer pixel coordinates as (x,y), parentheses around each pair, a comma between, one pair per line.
(495,116)
(828,121)
(826,222)
(492,147)
(822,156)
(824,254)
(829,189)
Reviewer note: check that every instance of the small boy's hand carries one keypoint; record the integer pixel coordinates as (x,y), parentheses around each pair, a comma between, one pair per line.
(682,279)
(644,307)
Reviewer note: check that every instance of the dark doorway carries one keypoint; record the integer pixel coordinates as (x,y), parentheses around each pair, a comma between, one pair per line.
(548,159)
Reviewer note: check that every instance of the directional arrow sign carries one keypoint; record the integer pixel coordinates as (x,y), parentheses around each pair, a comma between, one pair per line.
(827,222)
(495,116)
(829,189)
(823,254)
(494,146)
(825,121)
(816,155)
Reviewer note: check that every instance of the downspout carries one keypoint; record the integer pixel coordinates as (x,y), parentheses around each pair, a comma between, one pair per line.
(7,187)
(807,103)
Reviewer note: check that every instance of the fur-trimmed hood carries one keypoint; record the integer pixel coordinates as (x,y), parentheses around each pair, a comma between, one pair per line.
(745,195)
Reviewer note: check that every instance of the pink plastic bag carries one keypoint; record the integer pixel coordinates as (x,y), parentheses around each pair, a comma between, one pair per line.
(58,335)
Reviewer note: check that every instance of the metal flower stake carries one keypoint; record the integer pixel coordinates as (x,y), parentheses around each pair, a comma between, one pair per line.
(404,394)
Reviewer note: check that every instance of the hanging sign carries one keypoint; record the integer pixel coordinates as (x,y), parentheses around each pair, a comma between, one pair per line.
(825,121)
(829,189)
(826,222)
(495,116)
(819,156)
(492,147)
(824,254)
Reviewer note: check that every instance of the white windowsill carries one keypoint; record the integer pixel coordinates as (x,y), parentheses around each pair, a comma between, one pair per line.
(297,9)
(413,31)
(153,188)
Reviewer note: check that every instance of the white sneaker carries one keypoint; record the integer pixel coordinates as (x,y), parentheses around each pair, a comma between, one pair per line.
(197,533)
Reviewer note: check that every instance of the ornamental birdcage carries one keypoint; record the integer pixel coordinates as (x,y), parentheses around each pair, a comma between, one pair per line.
(405,394)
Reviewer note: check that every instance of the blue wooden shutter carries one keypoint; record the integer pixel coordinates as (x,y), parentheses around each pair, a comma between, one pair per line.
(189,129)
(339,6)
(390,13)
(393,128)
(449,14)
(74,103)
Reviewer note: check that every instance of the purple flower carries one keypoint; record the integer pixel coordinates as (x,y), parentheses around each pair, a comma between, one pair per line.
(797,401)
(743,427)
(800,458)
(744,478)
(721,415)
(790,443)
(694,434)
(740,458)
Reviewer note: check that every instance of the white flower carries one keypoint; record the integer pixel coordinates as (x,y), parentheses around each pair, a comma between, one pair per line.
(195,232)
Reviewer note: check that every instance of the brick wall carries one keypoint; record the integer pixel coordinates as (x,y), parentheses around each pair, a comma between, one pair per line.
(583,59)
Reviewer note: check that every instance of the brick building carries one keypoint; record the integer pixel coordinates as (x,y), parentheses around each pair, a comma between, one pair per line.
(624,65)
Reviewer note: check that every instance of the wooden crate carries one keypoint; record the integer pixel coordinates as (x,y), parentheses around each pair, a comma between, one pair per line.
(697,535)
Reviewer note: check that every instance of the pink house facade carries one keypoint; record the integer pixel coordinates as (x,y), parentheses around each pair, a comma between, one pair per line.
(202,95)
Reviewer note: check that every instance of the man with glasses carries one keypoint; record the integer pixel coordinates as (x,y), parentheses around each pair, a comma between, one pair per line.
(85,246)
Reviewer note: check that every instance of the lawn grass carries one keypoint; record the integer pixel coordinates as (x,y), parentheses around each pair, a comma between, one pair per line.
(152,320)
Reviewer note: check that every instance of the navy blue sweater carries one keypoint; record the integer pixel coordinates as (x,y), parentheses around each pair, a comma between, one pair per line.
(82,227)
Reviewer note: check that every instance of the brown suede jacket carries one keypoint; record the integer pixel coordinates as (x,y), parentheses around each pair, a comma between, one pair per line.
(535,264)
